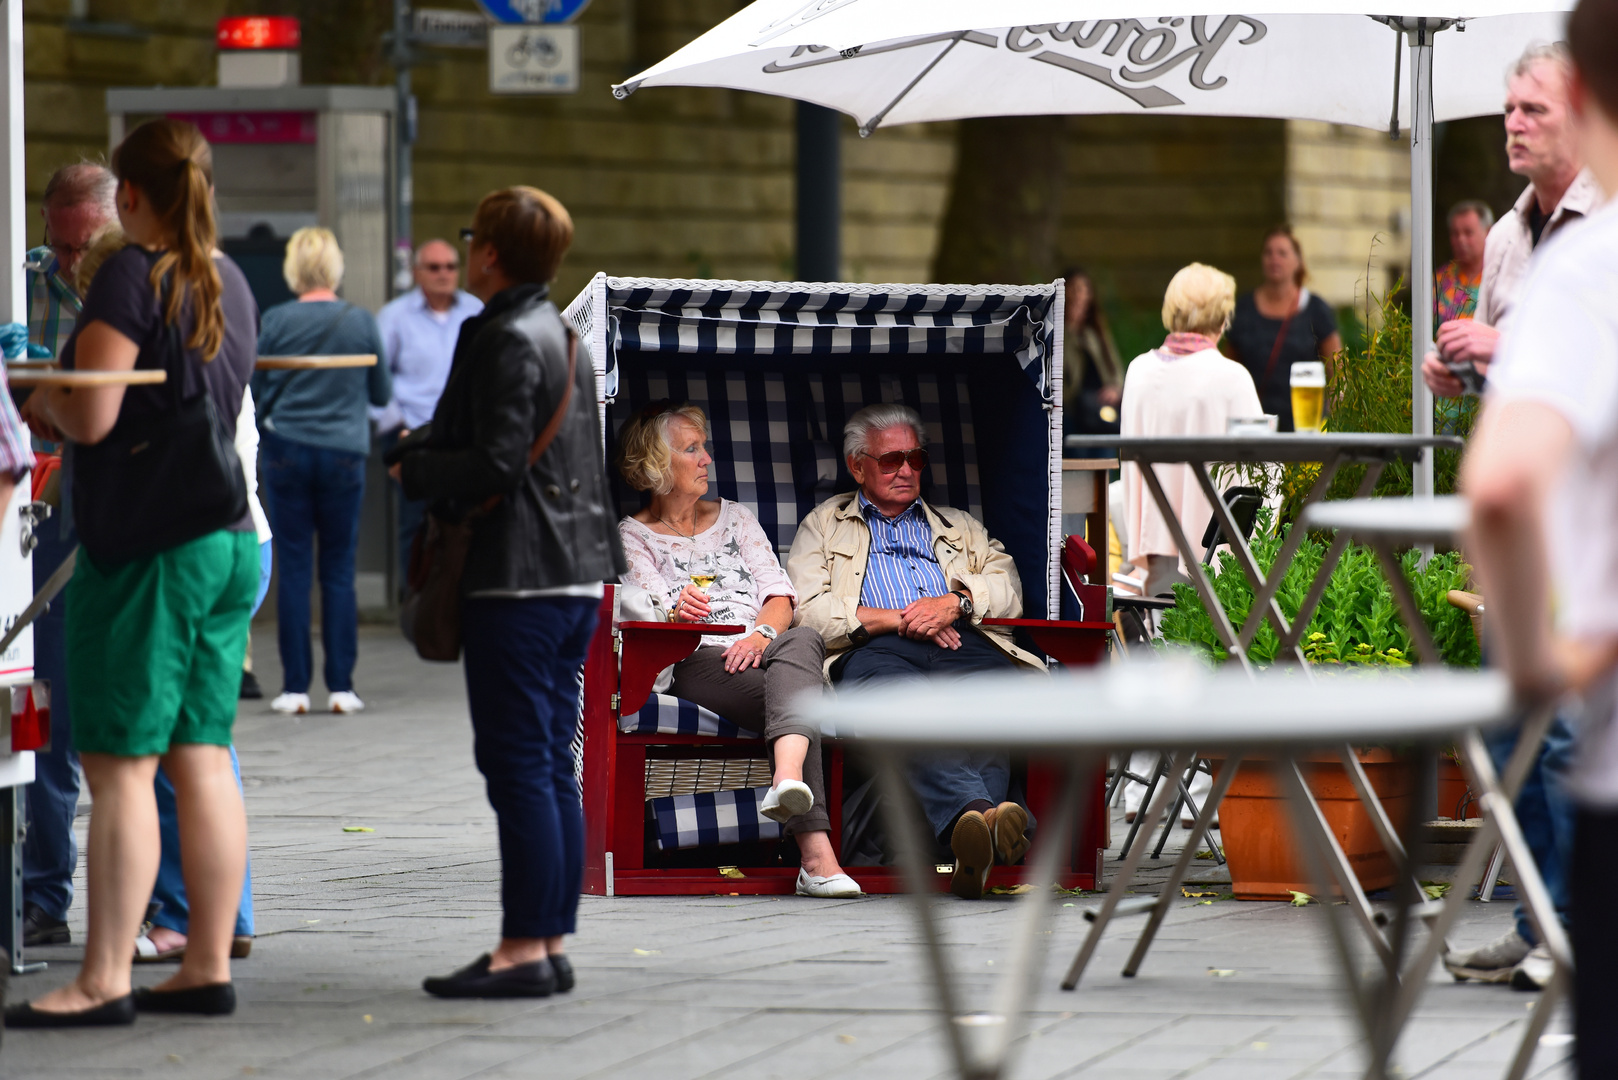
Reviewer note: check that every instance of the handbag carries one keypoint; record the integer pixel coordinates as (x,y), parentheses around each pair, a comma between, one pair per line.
(431,615)
(159,481)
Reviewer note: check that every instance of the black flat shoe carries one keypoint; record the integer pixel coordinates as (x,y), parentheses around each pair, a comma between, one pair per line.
(475,980)
(214,999)
(39,928)
(118,1011)
(564,972)
(251,690)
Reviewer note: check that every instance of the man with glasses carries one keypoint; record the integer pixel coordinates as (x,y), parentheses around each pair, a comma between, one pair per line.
(899,588)
(78,204)
(419,330)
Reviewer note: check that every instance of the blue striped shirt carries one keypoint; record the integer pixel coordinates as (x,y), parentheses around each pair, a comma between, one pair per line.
(902,567)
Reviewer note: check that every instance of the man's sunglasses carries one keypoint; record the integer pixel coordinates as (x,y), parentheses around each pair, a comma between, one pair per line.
(893,460)
(433,268)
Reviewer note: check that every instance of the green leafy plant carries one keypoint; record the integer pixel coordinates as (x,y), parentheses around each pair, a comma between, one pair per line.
(1357,620)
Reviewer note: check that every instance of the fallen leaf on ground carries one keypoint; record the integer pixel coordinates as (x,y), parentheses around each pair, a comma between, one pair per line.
(1011,890)
(1221,973)
(1299,899)
(1435,890)
(648,952)
(845,1038)
(730,872)
(367,1018)
(358,828)
(1195,893)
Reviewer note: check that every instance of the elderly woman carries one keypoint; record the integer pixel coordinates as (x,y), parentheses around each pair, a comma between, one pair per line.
(710,560)
(1183,387)
(316,436)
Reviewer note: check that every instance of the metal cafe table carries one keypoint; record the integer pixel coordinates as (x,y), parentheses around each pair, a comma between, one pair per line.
(1332,451)
(1079,717)
(1382,524)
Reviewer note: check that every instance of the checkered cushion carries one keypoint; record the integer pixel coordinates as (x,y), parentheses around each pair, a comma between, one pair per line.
(715,817)
(665,714)
(777,436)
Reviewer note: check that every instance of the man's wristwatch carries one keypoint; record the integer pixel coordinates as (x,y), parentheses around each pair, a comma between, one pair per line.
(765,631)
(967,610)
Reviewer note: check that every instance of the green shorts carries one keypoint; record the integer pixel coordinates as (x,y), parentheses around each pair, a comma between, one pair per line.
(155,647)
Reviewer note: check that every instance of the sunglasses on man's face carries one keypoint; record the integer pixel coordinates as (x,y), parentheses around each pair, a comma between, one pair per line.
(435,268)
(893,460)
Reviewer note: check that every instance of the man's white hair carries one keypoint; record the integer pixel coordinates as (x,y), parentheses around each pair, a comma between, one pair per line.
(1542,52)
(874,418)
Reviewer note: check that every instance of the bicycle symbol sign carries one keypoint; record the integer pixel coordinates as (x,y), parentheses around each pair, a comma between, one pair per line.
(533,59)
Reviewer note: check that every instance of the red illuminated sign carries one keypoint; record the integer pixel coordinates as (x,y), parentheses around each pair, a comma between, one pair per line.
(258,32)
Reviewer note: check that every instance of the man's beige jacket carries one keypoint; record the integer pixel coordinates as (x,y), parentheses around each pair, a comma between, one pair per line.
(1510,246)
(827,568)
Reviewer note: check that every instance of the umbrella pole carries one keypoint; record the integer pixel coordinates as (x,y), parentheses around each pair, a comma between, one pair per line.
(1420,33)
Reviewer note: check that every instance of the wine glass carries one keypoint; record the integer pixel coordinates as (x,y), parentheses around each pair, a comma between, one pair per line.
(704,571)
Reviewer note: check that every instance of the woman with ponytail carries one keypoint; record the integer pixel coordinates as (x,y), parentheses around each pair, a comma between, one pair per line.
(166,577)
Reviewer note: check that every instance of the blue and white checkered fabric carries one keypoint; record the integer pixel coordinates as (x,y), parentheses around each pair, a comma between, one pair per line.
(751,317)
(715,817)
(664,714)
(777,437)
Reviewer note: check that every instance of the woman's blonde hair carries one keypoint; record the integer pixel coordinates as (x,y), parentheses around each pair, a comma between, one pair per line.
(108,241)
(644,453)
(314,261)
(1200,299)
(172,165)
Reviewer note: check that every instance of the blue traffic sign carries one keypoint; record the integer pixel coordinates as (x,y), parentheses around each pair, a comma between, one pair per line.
(533,11)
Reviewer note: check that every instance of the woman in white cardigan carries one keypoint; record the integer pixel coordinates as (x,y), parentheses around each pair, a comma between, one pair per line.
(1183,387)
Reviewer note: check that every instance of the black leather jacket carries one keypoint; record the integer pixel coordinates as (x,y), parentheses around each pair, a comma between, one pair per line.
(555,526)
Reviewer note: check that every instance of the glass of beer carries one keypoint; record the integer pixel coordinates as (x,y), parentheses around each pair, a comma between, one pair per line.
(1308,395)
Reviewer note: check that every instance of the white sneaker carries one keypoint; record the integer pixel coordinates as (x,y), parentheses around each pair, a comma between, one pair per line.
(344,701)
(291,704)
(1492,963)
(1535,971)
(836,887)
(787,800)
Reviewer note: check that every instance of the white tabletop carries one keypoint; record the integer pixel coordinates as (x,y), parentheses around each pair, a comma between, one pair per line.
(1401,521)
(1161,705)
(1356,445)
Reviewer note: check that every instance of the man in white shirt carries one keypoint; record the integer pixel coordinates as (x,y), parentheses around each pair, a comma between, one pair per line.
(419,330)
(1542,473)
(1542,144)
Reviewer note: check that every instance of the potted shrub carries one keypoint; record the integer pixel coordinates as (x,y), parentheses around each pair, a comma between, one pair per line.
(1357,623)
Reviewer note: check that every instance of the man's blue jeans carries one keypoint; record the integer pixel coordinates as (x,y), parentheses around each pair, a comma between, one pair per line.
(50,851)
(945,783)
(1546,811)
(315,492)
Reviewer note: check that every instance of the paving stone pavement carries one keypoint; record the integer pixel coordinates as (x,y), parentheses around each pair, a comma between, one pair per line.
(709,987)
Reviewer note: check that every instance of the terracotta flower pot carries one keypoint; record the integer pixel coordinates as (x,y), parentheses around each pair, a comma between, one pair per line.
(1256,824)
(1452,789)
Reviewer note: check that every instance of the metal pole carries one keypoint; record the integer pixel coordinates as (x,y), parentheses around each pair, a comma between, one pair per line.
(404,135)
(1421,238)
(819,183)
(13,228)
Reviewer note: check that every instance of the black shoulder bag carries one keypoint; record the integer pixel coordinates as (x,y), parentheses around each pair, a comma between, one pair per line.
(160,481)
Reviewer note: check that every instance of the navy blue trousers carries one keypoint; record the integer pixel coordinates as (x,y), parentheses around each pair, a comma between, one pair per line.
(523,660)
(946,782)
(50,852)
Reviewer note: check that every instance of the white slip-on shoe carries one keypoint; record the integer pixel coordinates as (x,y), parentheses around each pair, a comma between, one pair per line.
(1535,971)
(836,887)
(344,701)
(787,800)
(1492,963)
(290,704)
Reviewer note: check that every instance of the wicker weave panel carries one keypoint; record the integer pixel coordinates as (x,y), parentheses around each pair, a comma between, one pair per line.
(691,776)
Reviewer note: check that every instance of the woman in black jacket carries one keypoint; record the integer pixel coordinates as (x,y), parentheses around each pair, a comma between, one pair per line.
(534,573)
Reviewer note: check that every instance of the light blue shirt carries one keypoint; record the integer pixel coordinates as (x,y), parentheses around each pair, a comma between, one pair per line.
(901,567)
(419,344)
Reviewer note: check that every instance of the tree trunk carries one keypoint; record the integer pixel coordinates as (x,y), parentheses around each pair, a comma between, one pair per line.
(1005,202)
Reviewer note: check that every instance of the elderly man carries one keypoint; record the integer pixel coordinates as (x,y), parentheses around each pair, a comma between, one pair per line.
(78,203)
(899,589)
(419,330)
(1541,144)
(1456,284)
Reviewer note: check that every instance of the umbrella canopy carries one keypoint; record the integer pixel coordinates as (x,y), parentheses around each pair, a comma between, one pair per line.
(1339,68)
(845,24)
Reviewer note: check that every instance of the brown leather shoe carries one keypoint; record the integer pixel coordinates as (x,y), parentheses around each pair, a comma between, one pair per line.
(973,846)
(1008,825)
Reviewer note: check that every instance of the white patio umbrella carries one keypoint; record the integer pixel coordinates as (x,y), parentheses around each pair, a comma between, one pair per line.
(906,61)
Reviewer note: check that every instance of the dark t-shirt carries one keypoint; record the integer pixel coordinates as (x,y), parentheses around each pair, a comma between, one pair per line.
(121,295)
(325,409)
(1252,338)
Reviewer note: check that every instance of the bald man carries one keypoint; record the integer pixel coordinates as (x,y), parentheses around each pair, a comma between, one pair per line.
(418,335)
